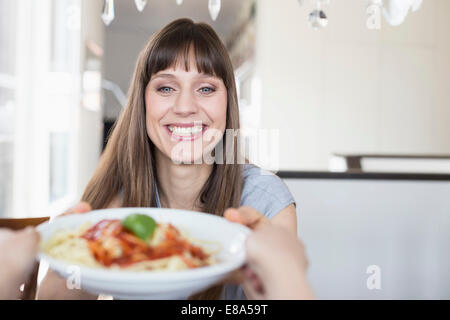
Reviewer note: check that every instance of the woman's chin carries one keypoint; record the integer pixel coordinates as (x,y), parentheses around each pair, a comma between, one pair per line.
(186,153)
(187,160)
(186,157)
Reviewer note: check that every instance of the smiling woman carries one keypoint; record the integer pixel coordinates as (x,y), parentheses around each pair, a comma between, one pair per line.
(182,100)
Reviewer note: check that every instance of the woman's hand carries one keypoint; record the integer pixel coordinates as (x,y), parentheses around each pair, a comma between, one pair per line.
(17,257)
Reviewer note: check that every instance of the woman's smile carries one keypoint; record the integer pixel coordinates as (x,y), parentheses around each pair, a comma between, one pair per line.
(186,131)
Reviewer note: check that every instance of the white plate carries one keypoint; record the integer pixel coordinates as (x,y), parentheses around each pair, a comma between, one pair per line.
(154,284)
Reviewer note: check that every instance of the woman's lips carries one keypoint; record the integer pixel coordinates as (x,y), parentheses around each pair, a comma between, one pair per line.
(185,137)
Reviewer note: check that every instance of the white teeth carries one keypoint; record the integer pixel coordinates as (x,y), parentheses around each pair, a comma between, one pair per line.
(185,130)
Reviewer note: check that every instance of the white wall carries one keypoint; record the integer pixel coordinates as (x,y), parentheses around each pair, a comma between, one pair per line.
(350,89)
(401,226)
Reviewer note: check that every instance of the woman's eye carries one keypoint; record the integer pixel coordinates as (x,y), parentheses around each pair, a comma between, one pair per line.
(206,90)
(165,89)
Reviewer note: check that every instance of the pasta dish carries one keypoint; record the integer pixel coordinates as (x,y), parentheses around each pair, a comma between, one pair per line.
(134,243)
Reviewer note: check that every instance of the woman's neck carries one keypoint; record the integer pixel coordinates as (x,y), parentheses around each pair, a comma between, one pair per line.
(180,184)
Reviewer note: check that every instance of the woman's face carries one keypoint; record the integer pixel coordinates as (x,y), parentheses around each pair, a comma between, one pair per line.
(184,110)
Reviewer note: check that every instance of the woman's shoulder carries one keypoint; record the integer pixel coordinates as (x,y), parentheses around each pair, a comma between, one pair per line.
(264,191)
(261,178)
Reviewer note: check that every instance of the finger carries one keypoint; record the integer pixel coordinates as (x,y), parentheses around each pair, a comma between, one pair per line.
(252,217)
(81,207)
(247,216)
(235,277)
(253,279)
(251,292)
(232,215)
(257,285)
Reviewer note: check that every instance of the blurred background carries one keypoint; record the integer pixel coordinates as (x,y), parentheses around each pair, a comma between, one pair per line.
(359,93)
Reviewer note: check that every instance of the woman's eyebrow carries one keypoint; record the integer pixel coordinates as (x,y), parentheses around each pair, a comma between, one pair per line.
(172,76)
(205,75)
(163,75)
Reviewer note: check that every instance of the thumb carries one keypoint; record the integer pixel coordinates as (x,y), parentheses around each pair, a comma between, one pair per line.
(247,216)
(81,207)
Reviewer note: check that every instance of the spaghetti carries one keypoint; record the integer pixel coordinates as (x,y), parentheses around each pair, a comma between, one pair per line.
(108,244)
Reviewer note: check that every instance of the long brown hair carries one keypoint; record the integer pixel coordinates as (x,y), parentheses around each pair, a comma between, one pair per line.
(128,161)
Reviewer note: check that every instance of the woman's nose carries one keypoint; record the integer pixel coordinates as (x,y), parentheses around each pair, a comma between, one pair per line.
(185,103)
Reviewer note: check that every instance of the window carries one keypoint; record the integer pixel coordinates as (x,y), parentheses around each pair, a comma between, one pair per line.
(8,10)
(39,102)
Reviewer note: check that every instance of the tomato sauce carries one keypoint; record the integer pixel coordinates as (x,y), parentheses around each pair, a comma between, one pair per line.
(132,249)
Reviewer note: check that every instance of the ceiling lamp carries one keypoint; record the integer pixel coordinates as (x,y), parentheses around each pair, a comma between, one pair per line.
(317,18)
(395,11)
(214,8)
(108,12)
(140,4)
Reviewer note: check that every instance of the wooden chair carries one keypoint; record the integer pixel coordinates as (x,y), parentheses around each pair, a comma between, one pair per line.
(29,291)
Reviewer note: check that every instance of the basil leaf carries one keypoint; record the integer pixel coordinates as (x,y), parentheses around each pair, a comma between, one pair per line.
(141,225)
